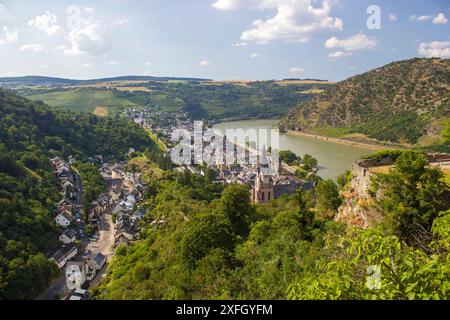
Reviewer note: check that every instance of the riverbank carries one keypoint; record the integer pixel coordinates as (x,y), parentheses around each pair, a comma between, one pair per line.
(372,145)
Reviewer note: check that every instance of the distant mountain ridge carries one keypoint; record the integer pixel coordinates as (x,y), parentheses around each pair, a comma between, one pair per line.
(400,102)
(53,81)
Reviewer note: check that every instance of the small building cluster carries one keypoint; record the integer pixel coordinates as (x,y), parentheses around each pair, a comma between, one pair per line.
(66,207)
(66,212)
(80,272)
(127,189)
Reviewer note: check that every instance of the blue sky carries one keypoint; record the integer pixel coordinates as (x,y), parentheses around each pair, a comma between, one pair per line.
(218,39)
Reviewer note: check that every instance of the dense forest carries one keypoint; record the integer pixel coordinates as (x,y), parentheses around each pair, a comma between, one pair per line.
(30,134)
(202,242)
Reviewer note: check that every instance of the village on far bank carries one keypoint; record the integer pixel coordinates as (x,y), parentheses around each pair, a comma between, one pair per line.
(268,180)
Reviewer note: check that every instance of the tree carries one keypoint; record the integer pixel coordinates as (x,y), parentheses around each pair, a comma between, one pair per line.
(328,199)
(210,175)
(397,271)
(309,162)
(412,194)
(236,206)
(305,213)
(344,179)
(288,156)
(205,233)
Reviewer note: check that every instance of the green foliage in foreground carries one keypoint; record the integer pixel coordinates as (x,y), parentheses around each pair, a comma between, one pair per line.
(413,195)
(373,265)
(216,245)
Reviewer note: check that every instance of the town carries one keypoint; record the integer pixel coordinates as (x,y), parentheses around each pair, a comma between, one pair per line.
(267,179)
(113,220)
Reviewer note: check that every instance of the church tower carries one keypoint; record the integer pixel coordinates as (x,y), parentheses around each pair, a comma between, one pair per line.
(263,190)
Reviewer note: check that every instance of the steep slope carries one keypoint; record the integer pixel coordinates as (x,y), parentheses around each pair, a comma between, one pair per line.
(30,134)
(400,102)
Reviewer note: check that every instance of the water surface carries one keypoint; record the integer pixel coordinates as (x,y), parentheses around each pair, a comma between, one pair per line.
(334,158)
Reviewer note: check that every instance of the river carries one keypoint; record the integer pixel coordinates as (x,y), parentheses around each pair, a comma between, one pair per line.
(334,158)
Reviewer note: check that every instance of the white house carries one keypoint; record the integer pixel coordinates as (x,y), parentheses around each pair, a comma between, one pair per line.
(63,220)
(131,199)
(75,275)
(68,236)
(63,255)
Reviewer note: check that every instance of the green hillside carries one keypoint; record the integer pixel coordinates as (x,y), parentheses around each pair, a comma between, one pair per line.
(220,100)
(30,134)
(97,101)
(404,101)
(202,240)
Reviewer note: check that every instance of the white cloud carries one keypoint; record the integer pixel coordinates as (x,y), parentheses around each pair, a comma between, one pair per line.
(440,19)
(60,47)
(33,47)
(89,9)
(114,63)
(239,44)
(44,66)
(420,18)
(120,22)
(204,63)
(89,39)
(294,21)
(296,70)
(4,14)
(235,4)
(87,65)
(437,19)
(9,36)
(254,55)
(339,54)
(392,17)
(357,42)
(47,23)
(149,64)
(435,49)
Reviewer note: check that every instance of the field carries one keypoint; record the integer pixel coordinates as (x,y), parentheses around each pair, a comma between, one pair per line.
(330,132)
(218,100)
(301,82)
(100,102)
(101,111)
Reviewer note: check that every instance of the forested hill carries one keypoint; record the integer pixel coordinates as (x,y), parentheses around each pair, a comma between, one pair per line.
(30,134)
(400,102)
(52,81)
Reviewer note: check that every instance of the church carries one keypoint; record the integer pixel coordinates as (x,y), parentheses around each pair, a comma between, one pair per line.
(268,186)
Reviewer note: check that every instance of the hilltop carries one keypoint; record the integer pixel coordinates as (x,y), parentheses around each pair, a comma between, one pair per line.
(404,102)
(217,100)
(52,81)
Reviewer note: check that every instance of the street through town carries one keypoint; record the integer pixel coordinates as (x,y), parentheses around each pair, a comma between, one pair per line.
(58,288)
